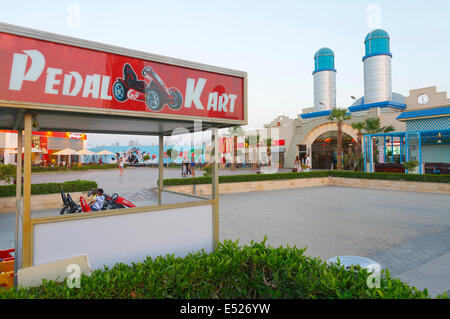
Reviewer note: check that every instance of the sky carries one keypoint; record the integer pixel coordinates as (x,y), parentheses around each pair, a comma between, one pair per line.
(273,41)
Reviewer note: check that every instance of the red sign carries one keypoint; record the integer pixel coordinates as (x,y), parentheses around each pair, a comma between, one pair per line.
(73,136)
(45,72)
(278,143)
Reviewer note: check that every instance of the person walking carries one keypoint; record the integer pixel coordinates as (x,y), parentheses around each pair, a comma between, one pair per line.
(184,166)
(297,165)
(121,165)
(192,167)
(308,163)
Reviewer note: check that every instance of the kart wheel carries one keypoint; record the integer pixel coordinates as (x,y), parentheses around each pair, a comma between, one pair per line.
(178,99)
(153,101)
(120,91)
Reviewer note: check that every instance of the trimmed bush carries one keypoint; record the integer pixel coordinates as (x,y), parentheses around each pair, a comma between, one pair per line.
(431,178)
(50,188)
(42,169)
(75,167)
(253,271)
(313,174)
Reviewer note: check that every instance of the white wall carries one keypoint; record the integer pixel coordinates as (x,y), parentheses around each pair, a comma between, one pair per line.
(125,238)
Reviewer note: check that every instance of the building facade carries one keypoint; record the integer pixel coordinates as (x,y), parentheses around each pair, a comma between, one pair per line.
(312,133)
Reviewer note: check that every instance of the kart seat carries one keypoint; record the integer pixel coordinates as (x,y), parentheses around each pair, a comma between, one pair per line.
(131,80)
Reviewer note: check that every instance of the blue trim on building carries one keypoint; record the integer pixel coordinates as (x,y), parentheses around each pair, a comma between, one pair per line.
(425,113)
(365,107)
(317,114)
(320,70)
(375,54)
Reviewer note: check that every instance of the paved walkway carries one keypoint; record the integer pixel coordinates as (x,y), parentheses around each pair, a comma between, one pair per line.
(133,179)
(408,232)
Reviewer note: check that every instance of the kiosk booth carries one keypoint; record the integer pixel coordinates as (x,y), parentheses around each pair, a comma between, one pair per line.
(57,83)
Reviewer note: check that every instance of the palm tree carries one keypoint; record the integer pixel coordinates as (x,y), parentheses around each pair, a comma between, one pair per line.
(268,142)
(253,141)
(339,115)
(359,126)
(373,126)
(234,132)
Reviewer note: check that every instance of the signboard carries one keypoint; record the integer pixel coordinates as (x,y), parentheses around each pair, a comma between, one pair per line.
(62,76)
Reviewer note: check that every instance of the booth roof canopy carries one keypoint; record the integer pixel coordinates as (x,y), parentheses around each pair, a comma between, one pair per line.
(12,119)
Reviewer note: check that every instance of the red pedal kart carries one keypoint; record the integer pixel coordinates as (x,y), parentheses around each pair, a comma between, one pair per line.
(111,202)
(154,92)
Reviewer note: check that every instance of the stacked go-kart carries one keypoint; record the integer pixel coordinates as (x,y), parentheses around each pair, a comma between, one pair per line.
(6,268)
(111,202)
(155,93)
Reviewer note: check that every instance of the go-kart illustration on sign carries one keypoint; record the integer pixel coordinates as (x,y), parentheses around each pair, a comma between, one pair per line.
(50,73)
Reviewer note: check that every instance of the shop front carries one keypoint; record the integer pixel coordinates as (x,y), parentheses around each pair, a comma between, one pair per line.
(112,90)
(44,145)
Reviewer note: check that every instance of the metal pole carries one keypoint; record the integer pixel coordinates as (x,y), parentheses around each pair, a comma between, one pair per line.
(26,240)
(392,148)
(420,153)
(365,148)
(215,185)
(17,256)
(160,168)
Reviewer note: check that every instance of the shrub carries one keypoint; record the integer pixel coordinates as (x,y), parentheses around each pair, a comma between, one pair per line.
(207,170)
(7,173)
(50,188)
(253,271)
(41,169)
(313,174)
(411,165)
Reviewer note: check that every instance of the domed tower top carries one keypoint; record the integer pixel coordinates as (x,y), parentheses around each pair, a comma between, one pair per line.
(377,43)
(324,60)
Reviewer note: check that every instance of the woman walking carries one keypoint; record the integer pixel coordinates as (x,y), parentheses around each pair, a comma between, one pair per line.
(297,165)
(121,165)
(193,167)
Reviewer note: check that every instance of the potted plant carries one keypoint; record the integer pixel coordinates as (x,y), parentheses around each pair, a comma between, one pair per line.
(411,166)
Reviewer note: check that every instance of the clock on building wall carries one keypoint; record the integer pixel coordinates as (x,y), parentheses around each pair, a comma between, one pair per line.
(423,99)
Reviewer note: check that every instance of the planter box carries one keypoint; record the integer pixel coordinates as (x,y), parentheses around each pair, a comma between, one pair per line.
(229,188)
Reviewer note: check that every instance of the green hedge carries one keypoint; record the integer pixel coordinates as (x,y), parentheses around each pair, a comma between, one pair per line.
(50,188)
(253,271)
(95,166)
(41,169)
(313,174)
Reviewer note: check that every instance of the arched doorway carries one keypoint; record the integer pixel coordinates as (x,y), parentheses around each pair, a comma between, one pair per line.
(323,149)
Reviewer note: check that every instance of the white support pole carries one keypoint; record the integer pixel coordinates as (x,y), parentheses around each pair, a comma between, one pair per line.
(26,232)
(215,185)
(160,168)
(17,249)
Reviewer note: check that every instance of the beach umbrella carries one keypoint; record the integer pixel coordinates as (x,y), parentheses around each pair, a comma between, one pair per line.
(66,152)
(85,153)
(105,153)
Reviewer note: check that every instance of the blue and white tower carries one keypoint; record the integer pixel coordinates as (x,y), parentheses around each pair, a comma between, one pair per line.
(324,80)
(377,67)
